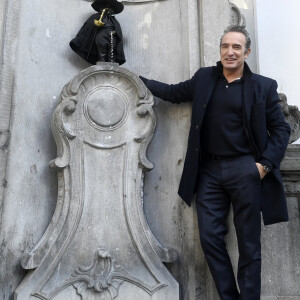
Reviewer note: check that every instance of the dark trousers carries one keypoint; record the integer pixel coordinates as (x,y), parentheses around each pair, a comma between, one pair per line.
(222,182)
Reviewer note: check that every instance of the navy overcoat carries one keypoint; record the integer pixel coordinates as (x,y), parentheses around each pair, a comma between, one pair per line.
(264,124)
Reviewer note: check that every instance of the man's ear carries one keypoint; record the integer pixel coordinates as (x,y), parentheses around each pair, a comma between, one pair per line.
(247,53)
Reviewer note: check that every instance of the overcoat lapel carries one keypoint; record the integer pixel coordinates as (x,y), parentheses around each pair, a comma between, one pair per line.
(248,101)
(248,97)
(211,83)
(205,90)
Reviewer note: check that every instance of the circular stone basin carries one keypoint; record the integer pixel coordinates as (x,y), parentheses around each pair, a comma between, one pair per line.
(106,107)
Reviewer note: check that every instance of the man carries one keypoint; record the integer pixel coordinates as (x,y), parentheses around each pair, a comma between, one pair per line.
(238,137)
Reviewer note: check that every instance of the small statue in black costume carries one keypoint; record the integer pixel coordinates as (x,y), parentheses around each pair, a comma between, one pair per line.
(100,38)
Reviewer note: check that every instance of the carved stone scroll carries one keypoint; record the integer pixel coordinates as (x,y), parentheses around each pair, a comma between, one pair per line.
(236,17)
(98,245)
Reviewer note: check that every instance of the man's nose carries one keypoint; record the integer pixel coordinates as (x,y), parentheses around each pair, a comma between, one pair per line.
(230,51)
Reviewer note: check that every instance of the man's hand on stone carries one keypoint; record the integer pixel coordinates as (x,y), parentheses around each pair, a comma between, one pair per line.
(261,170)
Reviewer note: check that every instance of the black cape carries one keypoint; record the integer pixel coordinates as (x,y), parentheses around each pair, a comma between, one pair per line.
(84,42)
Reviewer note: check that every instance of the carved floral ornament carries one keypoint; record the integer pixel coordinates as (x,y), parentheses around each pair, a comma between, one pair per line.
(102,279)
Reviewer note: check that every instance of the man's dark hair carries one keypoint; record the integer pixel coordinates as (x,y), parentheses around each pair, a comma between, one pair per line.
(241,29)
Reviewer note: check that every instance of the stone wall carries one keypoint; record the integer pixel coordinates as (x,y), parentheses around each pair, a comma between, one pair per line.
(165,40)
(162,41)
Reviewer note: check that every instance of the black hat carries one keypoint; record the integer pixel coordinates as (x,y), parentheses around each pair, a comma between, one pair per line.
(116,6)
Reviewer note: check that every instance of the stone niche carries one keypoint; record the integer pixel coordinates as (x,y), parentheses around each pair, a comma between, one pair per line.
(98,245)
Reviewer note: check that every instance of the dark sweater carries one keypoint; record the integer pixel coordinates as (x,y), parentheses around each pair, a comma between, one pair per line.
(223,130)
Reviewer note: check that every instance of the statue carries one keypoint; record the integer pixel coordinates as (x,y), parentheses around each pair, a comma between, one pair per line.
(292,116)
(100,37)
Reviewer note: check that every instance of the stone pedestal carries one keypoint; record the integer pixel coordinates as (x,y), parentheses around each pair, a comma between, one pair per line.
(98,245)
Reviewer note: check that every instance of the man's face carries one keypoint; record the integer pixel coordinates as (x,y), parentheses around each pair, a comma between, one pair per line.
(232,51)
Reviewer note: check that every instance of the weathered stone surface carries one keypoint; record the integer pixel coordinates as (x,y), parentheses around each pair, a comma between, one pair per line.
(98,244)
(38,66)
(212,28)
(8,47)
(290,170)
(292,116)
(9,26)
